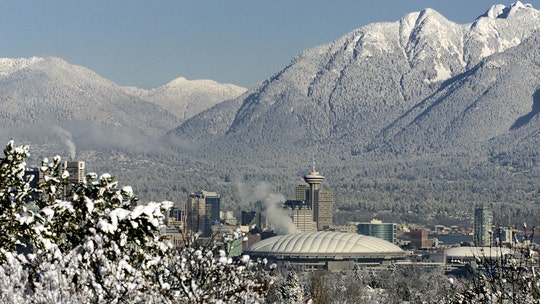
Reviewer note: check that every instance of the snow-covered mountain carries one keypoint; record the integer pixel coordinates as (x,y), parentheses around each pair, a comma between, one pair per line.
(499,97)
(405,115)
(185,98)
(349,95)
(52,90)
(41,97)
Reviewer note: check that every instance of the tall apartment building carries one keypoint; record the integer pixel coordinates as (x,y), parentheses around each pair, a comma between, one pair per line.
(483,220)
(325,209)
(75,170)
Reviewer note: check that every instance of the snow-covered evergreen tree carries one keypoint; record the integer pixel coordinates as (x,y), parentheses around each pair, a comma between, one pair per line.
(15,218)
(91,243)
(292,292)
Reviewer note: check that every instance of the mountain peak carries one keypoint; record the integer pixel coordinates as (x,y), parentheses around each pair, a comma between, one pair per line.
(430,13)
(184,98)
(182,82)
(516,6)
(10,65)
(177,81)
(416,21)
(502,11)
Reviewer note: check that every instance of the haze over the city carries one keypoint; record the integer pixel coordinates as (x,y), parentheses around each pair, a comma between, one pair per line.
(148,43)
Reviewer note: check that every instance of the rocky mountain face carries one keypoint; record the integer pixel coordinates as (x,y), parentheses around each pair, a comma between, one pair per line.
(422,84)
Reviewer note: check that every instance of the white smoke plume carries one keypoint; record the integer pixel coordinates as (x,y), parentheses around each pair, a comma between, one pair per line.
(65,136)
(274,212)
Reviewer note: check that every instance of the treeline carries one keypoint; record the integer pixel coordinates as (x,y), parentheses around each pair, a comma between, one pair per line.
(430,191)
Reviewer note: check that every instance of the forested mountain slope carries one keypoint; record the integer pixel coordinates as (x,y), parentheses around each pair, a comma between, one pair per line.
(413,120)
(404,118)
(49,101)
(357,92)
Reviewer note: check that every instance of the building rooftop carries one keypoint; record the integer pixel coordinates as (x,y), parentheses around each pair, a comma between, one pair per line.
(470,252)
(329,244)
(314,178)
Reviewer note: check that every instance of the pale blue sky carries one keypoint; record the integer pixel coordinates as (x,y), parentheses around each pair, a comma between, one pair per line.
(148,43)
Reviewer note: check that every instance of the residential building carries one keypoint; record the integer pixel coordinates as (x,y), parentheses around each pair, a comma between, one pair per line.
(483,221)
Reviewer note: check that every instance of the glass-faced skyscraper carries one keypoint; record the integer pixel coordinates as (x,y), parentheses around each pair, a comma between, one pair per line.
(376,228)
(202,211)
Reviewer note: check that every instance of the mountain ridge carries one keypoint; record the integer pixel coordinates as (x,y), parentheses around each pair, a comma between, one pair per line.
(43,95)
(373,74)
(404,119)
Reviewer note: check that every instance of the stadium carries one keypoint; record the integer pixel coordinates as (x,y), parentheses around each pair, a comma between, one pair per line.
(334,251)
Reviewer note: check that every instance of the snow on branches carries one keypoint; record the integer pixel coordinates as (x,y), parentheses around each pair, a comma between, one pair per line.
(93,242)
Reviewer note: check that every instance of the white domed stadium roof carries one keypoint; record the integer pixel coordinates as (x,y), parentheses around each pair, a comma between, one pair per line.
(325,244)
(481,252)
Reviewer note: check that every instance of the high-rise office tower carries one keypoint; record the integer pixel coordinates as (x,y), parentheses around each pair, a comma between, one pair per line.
(301,209)
(76,174)
(301,192)
(321,201)
(175,217)
(260,219)
(75,170)
(202,211)
(483,220)
(376,228)
(195,213)
(213,206)
(248,218)
(302,215)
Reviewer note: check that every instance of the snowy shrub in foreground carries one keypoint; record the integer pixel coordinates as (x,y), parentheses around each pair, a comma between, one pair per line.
(203,273)
(90,242)
(511,278)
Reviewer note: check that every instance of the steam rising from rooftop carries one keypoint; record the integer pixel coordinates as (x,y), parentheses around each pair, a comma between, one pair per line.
(65,136)
(273,206)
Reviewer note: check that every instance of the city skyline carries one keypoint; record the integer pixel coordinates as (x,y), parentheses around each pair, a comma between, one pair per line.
(147,44)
